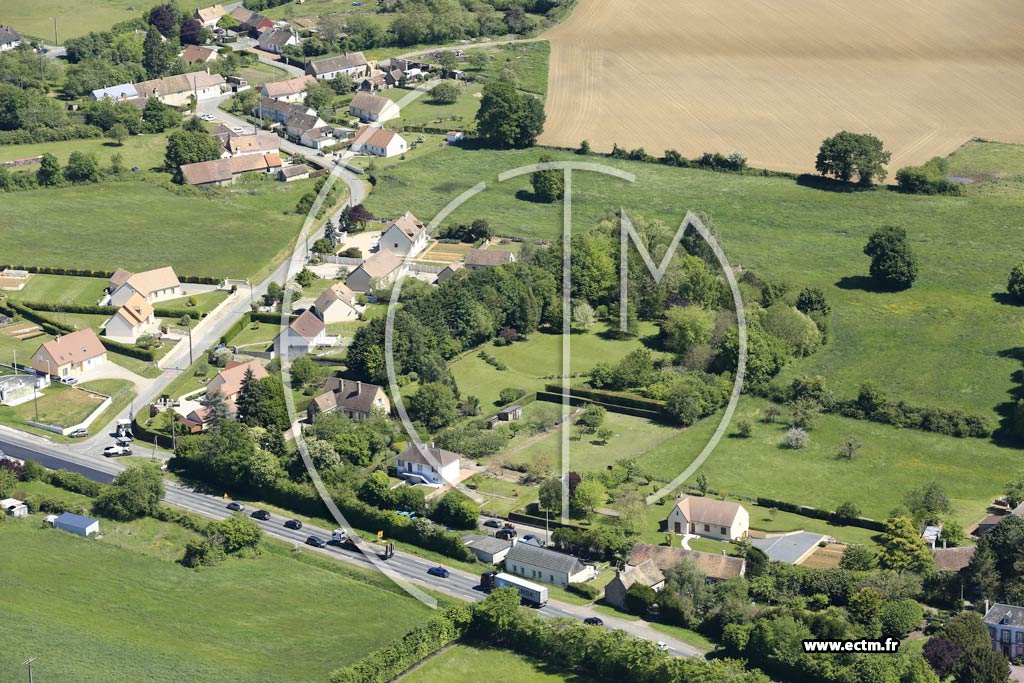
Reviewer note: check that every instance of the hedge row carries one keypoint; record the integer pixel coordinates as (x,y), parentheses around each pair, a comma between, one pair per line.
(165,513)
(71,308)
(899,414)
(577,401)
(73,481)
(614,398)
(398,656)
(105,274)
(56,328)
(815,513)
(24,136)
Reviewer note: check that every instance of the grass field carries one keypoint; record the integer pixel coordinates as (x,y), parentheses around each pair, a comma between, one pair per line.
(61,289)
(144,151)
(121,614)
(773,78)
(236,233)
(470,664)
(258,73)
(906,341)
(996,169)
(35,17)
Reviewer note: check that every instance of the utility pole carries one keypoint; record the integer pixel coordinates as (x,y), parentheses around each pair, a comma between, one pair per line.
(55,41)
(35,399)
(28,663)
(190,342)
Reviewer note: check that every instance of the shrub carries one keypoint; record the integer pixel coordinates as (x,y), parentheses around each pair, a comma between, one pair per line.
(1015,285)
(511,394)
(586,590)
(796,438)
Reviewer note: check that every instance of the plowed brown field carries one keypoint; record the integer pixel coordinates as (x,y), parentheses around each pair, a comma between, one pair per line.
(772,78)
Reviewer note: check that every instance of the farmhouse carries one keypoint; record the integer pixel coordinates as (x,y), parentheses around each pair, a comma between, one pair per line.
(549,566)
(118,93)
(709,517)
(406,236)
(382,142)
(449,272)
(305,334)
(354,64)
(176,91)
(133,320)
(70,355)
(337,304)
(478,259)
(209,16)
(280,111)
(487,549)
(9,38)
(352,399)
(381,268)
(953,559)
(151,285)
(14,507)
(291,90)
(197,54)
(77,524)
(373,108)
(428,464)
(275,40)
(225,171)
(297,172)
(646,574)
(229,380)
(1006,629)
(715,567)
(260,143)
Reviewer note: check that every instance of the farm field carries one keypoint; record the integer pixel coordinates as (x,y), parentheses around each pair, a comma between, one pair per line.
(35,17)
(130,629)
(903,341)
(684,66)
(144,151)
(470,664)
(187,232)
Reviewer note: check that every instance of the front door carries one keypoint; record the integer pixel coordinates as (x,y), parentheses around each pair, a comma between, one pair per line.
(679,528)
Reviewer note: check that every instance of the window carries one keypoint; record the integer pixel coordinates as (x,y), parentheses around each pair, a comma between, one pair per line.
(707,527)
(1020,636)
(992,632)
(1006,636)
(724,530)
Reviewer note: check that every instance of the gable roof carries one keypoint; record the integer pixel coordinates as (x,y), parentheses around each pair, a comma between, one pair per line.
(349,61)
(488,544)
(220,170)
(339,291)
(544,558)
(347,394)
(307,325)
(646,574)
(295,171)
(438,455)
(242,14)
(181,83)
(231,377)
(410,226)
(147,282)
(210,13)
(125,91)
(76,521)
(381,264)
(75,347)
(9,35)
(711,565)
(260,142)
(373,104)
(709,510)
(119,277)
(136,310)
(953,559)
(488,257)
(1004,615)
(276,37)
(197,53)
(291,86)
(302,121)
(375,137)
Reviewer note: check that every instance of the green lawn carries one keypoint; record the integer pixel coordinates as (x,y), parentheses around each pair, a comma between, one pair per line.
(113,613)
(205,303)
(60,288)
(946,342)
(471,664)
(538,361)
(256,334)
(997,169)
(258,73)
(238,231)
(426,112)
(528,61)
(57,405)
(144,151)
(35,17)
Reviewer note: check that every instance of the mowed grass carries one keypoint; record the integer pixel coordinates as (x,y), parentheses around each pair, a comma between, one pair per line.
(471,664)
(946,342)
(538,361)
(238,233)
(144,151)
(997,169)
(35,17)
(67,289)
(107,613)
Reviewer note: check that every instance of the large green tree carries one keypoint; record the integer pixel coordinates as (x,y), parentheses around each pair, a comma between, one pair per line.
(135,492)
(157,54)
(847,155)
(902,547)
(893,264)
(189,147)
(549,185)
(508,117)
(434,405)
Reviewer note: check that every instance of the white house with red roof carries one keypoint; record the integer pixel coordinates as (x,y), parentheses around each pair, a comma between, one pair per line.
(70,355)
(406,236)
(382,142)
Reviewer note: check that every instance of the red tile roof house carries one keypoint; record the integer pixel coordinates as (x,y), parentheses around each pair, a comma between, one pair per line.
(709,517)
(152,285)
(229,380)
(291,90)
(353,399)
(382,142)
(70,355)
(405,236)
(196,54)
(337,304)
(226,171)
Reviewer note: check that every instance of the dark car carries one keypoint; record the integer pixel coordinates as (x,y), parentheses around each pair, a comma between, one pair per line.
(439,571)
(593,621)
(316,542)
(261,515)
(531,537)
(505,534)
(293,524)
(236,506)
(493,523)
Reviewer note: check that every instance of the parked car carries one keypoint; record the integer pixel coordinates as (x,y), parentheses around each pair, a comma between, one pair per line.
(316,542)
(493,523)
(236,506)
(111,451)
(531,537)
(79,433)
(439,571)
(69,380)
(293,524)
(663,646)
(593,621)
(505,534)
(262,515)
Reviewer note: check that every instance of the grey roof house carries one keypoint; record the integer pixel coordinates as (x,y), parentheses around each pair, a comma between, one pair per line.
(549,566)
(487,548)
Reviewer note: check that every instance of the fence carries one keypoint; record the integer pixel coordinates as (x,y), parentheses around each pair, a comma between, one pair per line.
(341,260)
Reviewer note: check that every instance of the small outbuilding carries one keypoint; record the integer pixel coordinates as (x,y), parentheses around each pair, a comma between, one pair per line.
(14,507)
(510,413)
(487,548)
(77,524)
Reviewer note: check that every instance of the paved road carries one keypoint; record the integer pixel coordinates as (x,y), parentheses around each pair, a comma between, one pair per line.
(460,584)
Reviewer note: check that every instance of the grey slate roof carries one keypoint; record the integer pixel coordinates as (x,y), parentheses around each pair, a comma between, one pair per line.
(1005,615)
(550,560)
(487,544)
(322,66)
(9,35)
(787,548)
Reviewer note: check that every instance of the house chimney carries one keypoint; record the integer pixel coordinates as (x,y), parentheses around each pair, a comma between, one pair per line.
(986,606)
(943,544)
(359,387)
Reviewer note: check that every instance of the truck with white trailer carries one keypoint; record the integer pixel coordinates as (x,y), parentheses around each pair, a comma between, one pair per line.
(529,592)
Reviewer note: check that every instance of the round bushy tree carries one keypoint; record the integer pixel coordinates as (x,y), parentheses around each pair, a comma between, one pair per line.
(1015,286)
(893,264)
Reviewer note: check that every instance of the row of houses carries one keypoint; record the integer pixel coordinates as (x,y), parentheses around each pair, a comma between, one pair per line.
(174,91)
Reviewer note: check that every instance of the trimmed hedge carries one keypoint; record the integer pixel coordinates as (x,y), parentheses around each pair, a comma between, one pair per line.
(24,136)
(165,513)
(397,657)
(74,482)
(579,401)
(105,274)
(56,328)
(71,308)
(815,513)
(586,590)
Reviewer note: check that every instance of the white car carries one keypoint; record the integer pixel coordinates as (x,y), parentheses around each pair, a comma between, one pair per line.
(111,451)
(237,129)
(663,646)
(208,117)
